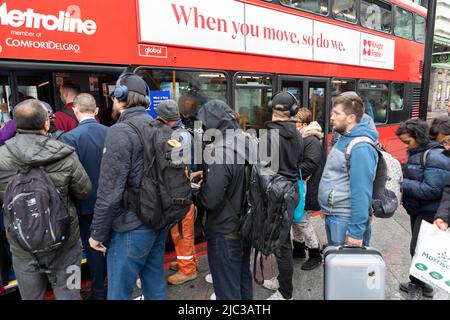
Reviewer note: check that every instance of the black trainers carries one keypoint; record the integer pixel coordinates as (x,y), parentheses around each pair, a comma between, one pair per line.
(311,263)
(414,292)
(427,290)
(315,259)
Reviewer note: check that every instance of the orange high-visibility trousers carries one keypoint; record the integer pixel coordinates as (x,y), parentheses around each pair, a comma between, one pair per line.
(185,248)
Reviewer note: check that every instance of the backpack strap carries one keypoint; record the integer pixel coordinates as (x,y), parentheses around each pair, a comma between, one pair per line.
(70,113)
(353,143)
(57,134)
(423,158)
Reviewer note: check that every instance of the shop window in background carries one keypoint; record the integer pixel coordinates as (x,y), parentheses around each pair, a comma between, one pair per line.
(397,92)
(375,97)
(439,91)
(345,10)
(316,6)
(252,95)
(447,95)
(190,89)
(376,15)
(403,23)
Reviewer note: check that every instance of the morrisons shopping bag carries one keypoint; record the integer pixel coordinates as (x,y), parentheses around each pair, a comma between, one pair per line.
(431,262)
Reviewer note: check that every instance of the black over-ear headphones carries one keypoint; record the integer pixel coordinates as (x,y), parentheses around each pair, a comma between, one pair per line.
(121,91)
(293,109)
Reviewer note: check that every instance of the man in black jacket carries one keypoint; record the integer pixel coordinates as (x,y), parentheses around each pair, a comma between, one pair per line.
(221,195)
(134,249)
(290,149)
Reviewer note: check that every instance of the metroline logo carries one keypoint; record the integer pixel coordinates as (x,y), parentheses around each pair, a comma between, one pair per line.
(63,22)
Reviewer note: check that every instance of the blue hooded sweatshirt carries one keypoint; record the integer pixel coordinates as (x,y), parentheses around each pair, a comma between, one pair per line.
(349,193)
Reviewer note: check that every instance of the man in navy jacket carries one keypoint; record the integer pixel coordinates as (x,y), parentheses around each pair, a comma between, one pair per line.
(88,139)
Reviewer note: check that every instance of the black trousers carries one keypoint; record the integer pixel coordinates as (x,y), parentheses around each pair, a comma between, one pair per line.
(285,268)
(416,221)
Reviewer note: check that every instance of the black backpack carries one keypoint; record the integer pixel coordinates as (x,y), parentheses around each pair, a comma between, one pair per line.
(164,196)
(271,202)
(38,220)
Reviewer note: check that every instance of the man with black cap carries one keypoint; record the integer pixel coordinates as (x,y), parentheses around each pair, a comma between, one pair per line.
(134,250)
(290,145)
(186,264)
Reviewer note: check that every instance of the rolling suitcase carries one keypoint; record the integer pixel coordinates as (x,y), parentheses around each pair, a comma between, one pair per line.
(353,273)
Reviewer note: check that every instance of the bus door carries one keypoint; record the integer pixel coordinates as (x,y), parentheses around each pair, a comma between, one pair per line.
(312,93)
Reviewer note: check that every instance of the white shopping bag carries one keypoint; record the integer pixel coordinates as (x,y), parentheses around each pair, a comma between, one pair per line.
(431,262)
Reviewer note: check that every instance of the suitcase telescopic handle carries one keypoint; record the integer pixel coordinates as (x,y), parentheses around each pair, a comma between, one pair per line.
(351,247)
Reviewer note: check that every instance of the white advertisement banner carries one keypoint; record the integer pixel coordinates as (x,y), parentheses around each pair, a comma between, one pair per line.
(193,23)
(335,44)
(278,33)
(230,25)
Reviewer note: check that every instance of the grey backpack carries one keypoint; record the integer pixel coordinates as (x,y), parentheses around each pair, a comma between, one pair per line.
(37,218)
(386,196)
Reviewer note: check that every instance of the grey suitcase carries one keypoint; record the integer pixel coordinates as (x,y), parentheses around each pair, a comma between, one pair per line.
(353,273)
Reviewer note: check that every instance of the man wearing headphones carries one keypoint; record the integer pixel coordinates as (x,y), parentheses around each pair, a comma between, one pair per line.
(133,249)
(289,155)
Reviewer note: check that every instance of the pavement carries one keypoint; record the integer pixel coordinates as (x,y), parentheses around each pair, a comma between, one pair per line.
(390,236)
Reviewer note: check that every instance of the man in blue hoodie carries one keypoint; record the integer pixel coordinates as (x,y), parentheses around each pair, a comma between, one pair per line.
(345,195)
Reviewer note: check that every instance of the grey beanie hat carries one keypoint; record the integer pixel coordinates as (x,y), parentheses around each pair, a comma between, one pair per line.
(168,110)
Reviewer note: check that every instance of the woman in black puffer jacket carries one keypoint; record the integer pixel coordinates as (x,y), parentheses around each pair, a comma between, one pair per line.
(424,177)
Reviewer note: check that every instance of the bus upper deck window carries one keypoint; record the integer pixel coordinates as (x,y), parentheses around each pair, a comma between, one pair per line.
(316,6)
(419,28)
(345,10)
(403,23)
(376,15)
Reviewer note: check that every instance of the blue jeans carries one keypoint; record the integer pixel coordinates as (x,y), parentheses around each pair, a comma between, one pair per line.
(336,227)
(95,259)
(133,254)
(229,263)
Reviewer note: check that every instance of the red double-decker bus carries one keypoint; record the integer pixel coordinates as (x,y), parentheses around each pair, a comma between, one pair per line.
(240,51)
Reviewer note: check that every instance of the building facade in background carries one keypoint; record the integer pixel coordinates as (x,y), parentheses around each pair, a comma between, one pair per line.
(440,77)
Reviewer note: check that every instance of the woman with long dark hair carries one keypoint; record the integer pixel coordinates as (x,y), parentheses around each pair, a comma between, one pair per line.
(425,175)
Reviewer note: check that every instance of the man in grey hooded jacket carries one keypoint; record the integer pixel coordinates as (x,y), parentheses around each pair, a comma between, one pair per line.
(32,147)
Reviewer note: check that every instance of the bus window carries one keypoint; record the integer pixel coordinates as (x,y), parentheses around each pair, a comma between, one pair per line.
(419,28)
(397,91)
(34,85)
(191,89)
(252,94)
(317,101)
(403,23)
(339,86)
(5,93)
(342,85)
(345,10)
(376,15)
(375,98)
(316,6)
